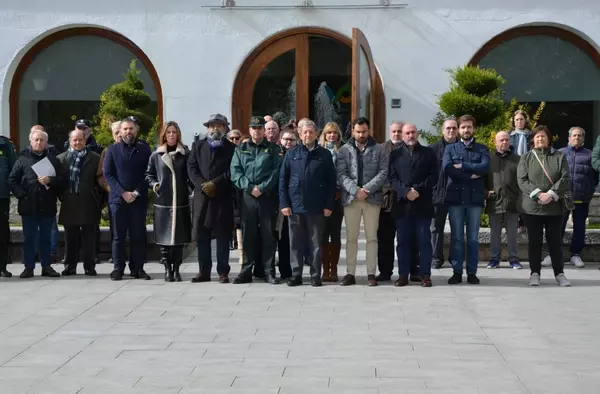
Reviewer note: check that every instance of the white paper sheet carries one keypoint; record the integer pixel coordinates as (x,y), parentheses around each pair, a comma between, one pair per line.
(44,168)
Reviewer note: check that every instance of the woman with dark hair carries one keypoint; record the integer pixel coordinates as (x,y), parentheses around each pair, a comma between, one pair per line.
(543,177)
(331,139)
(167,177)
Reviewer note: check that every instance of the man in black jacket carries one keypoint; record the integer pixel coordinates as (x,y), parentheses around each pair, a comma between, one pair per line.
(37,197)
(413,173)
(449,133)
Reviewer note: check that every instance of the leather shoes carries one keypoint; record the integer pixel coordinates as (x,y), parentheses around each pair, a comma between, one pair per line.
(241,280)
(69,271)
(436,265)
(371,281)
(295,281)
(50,272)
(199,278)
(426,281)
(383,278)
(91,272)
(116,275)
(472,279)
(5,274)
(223,279)
(141,274)
(272,280)
(348,280)
(402,281)
(316,283)
(27,273)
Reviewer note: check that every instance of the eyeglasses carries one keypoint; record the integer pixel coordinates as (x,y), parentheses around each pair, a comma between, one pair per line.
(236,138)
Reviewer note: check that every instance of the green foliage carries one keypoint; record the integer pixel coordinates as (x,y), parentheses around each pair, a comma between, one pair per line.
(477,81)
(124,99)
(459,102)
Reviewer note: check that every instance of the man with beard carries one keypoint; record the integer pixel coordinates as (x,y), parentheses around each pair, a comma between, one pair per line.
(449,131)
(362,170)
(255,171)
(465,163)
(208,169)
(413,173)
(125,172)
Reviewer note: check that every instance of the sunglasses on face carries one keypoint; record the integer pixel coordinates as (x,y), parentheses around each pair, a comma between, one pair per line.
(236,138)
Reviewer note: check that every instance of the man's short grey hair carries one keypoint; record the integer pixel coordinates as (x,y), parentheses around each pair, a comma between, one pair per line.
(35,131)
(398,122)
(308,123)
(572,129)
(272,121)
(72,132)
(115,126)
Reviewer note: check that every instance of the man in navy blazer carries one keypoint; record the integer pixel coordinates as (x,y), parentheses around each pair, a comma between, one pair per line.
(307,184)
(124,169)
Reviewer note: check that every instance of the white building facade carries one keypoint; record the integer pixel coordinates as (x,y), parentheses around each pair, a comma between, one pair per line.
(251,57)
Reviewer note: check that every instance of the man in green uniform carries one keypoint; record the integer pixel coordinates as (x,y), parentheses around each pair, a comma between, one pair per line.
(7,160)
(255,171)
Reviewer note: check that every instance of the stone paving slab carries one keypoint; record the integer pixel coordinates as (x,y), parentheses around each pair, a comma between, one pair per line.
(90,335)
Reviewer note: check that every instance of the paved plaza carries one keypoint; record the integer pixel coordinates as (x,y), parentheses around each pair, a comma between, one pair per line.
(90,335)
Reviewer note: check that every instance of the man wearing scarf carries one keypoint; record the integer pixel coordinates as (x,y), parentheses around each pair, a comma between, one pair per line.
(208,170)
(81,203)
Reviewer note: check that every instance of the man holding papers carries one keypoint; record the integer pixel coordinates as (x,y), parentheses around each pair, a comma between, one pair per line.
(36,182)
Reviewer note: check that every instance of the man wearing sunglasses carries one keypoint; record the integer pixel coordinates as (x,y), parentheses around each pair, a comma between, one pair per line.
(125,172)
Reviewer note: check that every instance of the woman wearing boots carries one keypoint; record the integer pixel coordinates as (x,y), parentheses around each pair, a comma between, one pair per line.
(331,139)
(168,179)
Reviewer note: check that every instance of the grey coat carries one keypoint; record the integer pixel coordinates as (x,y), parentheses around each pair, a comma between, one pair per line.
(375,171)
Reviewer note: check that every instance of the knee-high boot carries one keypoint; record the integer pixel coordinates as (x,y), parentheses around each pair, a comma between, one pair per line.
(177,261)
(167,260)
(334,260)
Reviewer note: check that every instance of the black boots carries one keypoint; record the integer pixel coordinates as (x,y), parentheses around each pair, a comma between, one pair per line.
(171,257)
(168,272)
(4,273)
(176,271)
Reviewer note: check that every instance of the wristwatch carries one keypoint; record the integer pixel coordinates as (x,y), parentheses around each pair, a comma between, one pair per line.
(136,194)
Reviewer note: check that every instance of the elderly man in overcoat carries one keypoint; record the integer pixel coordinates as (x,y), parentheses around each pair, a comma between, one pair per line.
(208,169)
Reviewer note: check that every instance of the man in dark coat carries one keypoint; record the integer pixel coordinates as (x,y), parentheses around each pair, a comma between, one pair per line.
(7,161)
(307,184)
(413,173)
(124,169)
(81,204)
(208,169)
(37,196)
(255,171)
(449,133)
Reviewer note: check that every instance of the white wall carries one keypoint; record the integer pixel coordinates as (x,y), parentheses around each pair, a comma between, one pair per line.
(197,51)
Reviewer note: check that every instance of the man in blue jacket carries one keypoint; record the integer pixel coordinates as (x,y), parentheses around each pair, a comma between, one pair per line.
(124,169)
(307,184)
(583,179)
(465,163)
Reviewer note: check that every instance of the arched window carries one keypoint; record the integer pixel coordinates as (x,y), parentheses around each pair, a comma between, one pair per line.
(549,64)
(64,75)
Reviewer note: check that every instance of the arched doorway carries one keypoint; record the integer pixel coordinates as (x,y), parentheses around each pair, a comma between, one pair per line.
(63,75)
(551,64)
(310,72)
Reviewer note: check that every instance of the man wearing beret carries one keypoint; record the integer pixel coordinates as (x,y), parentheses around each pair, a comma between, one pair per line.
(255,171)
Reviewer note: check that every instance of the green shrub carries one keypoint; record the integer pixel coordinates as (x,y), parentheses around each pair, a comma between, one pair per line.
(123,99)
(478,81)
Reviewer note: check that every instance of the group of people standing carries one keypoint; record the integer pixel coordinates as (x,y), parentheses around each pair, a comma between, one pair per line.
(288,190)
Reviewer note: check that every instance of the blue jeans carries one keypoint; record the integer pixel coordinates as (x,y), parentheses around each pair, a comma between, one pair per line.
(34,226)
(580,214)
(203,242)
(459,216)
(407,227)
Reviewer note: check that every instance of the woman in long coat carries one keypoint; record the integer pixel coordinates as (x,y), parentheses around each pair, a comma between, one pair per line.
(168,179)
(208,168)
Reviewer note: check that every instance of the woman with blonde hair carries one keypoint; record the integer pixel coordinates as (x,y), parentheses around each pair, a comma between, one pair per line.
(331,244)
(519,136)
(167,176)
